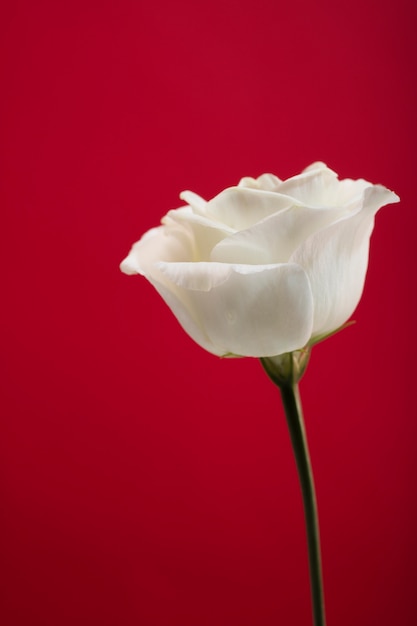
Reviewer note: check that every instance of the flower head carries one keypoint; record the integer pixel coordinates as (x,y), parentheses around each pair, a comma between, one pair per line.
(265,267)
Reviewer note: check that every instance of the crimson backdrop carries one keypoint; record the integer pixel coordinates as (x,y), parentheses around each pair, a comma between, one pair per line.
(144,481)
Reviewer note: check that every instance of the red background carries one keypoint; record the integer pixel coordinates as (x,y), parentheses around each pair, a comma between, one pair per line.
(144,481)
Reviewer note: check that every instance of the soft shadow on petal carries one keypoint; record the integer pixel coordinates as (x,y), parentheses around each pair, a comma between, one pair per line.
(275,238)
(133,263)
(319,186)
(336,261)
(241,207)
(205,233)
(167,244)
(196,276)
(246,310)
(158,244)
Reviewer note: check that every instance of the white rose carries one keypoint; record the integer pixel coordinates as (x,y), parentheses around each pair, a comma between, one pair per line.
(266,267)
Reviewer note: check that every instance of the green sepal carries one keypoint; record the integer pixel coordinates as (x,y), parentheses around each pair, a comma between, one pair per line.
(320,338)
(286,369)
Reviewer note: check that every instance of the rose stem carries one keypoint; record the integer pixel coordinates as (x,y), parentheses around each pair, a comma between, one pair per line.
(292,405)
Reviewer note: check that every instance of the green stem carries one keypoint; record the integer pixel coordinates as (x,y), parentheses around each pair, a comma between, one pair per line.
(293,411)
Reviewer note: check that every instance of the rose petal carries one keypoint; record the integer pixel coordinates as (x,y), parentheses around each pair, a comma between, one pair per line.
(275,238)
(161,243)
(319,186)
(170,244)
(267,182)
(241,207)
(336,260)
(315,167)
(205,233)
(197,203)
(244,310)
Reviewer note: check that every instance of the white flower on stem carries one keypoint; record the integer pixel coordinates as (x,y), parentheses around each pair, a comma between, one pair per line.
(266,267)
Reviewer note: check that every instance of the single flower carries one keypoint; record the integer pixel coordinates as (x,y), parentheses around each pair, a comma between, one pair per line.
(266,267)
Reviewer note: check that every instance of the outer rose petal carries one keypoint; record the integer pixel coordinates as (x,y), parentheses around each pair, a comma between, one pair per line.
(161,243)
(244,310)
(336,260)
(168,244)
(319,186)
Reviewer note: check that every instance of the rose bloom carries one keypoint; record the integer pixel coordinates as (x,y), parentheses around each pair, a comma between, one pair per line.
(266,267)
